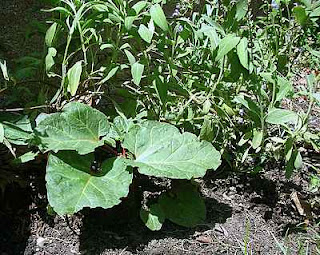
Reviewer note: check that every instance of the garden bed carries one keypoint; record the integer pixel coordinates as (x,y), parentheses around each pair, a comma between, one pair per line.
(253,214)
(256,212)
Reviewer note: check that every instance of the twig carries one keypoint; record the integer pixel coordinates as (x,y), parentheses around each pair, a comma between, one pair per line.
(22,109)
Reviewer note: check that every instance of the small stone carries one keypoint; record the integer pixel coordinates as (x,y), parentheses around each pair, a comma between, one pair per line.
(232,188)
(226,197)
(41,241)
(204,239)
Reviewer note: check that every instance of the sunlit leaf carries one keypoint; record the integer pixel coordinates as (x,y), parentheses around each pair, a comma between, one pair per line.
(1,133)
(17,128)
(130,57)
(111,73)
(129,21)
(226,45)
(285,87)
(50,34)
(106,46)
(78,127)
(59,9)
(241,9)
(52,52)
(159,17)
(138,7)
(206,106)
(298,162)
(145,33)
(136,72)
(3,67)
(211,32)
(206,132)
(315,12)
(71,185)
(257,138)
(245,138)
(29,156)
(74,75)
(282,116)
(243,54)
(161,150)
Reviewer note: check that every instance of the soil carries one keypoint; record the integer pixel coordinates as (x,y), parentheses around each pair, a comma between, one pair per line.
(256,212)
(246,214)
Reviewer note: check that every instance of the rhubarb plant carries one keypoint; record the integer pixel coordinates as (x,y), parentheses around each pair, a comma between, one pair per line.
(149,147)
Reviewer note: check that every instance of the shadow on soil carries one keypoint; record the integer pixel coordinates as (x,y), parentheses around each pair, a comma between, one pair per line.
(14,220)
(256,189)
(22,193)
(121,228)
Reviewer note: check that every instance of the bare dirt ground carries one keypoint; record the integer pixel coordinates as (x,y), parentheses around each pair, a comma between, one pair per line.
(245,214)
(255,213)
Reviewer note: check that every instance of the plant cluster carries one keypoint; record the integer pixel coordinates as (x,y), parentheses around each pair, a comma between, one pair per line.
(170,89)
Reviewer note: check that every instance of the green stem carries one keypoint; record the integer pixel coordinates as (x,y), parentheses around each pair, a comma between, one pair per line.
(219,78)
(82,44)
(64,62)
(305,121)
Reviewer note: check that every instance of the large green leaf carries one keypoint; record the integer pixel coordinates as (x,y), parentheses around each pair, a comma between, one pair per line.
(72,186)
(183,205)
(17,128)
(161,150)
(79,127)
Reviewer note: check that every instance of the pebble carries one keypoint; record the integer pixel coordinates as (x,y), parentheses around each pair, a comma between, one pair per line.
(41,241)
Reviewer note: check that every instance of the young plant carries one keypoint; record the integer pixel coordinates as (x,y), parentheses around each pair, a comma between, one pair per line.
(153,148)
(221,73)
